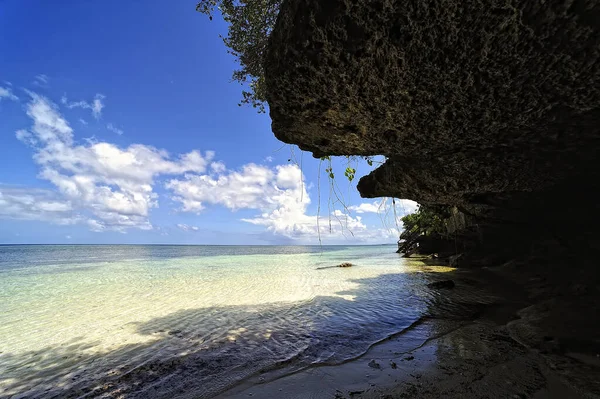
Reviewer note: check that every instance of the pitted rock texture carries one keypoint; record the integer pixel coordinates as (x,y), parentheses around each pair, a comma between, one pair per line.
(468,100)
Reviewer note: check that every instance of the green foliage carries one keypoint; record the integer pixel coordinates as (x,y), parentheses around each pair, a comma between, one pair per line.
(329,172)
(250,24)
(349,173)
(427,220)
(329,168)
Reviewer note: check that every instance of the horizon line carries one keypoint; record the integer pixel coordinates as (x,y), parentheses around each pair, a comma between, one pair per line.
(208,245)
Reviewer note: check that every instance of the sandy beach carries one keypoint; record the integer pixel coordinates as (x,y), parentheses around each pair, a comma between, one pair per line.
(387,327)
(477,358)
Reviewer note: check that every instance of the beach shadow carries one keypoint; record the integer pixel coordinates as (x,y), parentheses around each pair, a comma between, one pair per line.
(201,352)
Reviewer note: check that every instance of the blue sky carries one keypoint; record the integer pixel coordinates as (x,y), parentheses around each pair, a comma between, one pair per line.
(119,124)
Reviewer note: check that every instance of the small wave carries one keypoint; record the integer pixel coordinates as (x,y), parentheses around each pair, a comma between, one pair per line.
(157,321)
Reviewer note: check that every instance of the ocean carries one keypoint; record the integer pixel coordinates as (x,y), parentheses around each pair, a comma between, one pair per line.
(191,321)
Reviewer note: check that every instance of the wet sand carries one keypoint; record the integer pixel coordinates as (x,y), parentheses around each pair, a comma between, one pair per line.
(479,358)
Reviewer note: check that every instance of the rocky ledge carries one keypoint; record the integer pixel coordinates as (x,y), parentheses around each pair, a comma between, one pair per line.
(489,106)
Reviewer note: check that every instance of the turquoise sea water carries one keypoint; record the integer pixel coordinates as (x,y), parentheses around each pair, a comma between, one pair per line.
(191,321)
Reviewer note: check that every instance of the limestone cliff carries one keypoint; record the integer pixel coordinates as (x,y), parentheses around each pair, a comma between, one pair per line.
(491,106)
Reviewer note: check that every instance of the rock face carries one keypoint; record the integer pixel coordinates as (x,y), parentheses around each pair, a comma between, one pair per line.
(491,106)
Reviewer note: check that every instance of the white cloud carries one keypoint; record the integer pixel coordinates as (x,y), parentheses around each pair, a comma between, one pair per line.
(406,206)
(6,93)
(108,187)
(112,184)
(96,105)
(218,167)
(186,227)
(114,129)
(40,80)
(26,137)
(27,204)
(95,225)
(68,237)
(82,121)
(269,159)
(252,187)
(280,196)
(387,210)
(403,207)
(369,207)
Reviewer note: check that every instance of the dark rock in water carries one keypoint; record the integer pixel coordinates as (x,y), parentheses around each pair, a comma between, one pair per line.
(442,284)
(393,365)
(345,264)
(373,364)
(409,358)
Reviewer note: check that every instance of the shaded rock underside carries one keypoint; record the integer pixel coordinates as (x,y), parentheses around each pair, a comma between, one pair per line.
(490,106)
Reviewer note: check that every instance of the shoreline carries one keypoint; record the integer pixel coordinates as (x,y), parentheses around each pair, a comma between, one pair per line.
(383,372)
(481,357)
(404,343)
(473,331)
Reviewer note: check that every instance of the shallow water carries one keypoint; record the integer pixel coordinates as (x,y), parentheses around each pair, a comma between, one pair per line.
(152,321)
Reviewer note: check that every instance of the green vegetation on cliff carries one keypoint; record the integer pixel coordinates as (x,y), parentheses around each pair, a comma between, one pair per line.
(250,23)
(426,225)
(427,220)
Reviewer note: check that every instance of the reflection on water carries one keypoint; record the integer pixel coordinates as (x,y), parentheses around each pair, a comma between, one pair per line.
(161,321)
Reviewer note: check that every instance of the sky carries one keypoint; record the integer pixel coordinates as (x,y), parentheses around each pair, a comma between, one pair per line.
(119,123)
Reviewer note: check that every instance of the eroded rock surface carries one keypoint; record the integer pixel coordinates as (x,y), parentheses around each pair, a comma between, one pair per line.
(476,104)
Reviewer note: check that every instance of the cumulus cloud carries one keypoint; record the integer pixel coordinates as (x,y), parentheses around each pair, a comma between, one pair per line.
(108,187)
(218,167)
(114,129)
(279,196)
(368,207)
(6,93)
(407,206)
(96,105)
(403,206)
(252,187)
(24,204)
(113,184)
